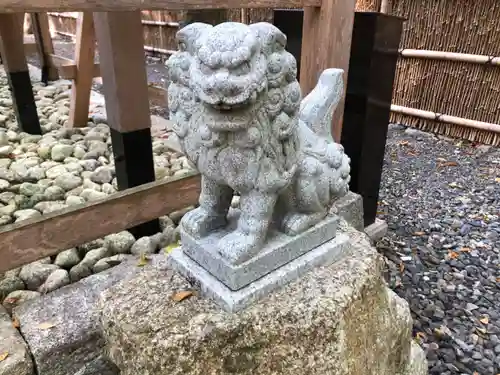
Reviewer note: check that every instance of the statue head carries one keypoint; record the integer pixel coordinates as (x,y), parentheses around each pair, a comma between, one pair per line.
(231,64)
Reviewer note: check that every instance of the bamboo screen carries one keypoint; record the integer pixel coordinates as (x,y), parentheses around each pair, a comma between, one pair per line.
(461,89)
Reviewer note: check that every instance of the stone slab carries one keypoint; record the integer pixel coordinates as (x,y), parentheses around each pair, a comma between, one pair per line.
(279,250)
(377,230)
(74,343)
(230,300)
(350,208)
(339,319)
(18,360)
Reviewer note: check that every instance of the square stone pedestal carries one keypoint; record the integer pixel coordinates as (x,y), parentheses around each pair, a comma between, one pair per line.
(338,319)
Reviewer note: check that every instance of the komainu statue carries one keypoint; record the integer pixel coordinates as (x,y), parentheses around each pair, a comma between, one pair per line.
(238,111)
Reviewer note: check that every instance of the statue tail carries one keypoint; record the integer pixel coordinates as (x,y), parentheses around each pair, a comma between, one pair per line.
(317,108)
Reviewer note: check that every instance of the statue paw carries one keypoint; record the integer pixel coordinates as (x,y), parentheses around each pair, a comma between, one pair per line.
(295,223)
(200,222)
(238,247)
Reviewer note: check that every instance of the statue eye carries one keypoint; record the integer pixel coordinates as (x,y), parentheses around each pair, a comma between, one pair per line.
(243,68)
(205,69)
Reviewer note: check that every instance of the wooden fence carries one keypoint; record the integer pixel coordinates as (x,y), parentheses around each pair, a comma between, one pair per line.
(453,94)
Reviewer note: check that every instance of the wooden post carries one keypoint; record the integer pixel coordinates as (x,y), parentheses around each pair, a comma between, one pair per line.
(41,30)
(84,61)
(120,42)
(326,43)
(16,68)
(374,55)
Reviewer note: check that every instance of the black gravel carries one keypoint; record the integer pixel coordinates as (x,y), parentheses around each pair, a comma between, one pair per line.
(441,200)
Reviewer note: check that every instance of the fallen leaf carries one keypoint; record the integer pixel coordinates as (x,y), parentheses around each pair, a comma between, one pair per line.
(453,255)
(481,330)
(418,233)
(401,267)
(15,323)
(171,247)
(143,260)
(10,300)
(498,279)
(46,325)
(3,356)
(484,320)
(497,179)
(449,164)
(404,143)
(465,250)
(181,296)
(420,335)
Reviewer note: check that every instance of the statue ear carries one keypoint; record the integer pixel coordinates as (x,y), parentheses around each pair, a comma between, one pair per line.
(270,37)
(187,36)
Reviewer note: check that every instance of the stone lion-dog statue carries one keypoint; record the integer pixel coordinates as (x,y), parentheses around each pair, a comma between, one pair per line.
(238,112)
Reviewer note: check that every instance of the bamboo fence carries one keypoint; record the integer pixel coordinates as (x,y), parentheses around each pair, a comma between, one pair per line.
(448,74)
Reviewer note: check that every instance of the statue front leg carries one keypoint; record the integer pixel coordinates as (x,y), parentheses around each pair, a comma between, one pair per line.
(215,200)
(253,224)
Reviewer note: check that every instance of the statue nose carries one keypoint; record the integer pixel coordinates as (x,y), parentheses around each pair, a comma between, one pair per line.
(224,86)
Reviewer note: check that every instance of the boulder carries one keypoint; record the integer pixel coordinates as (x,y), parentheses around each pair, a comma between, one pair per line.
(13,349)
(73,343)
(337,319)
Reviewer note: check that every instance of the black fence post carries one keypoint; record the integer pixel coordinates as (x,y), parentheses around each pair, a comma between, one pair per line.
(372,67)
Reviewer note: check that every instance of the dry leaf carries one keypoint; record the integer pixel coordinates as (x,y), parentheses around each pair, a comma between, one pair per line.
(46,325)
(171,247)
(484,320)
(453,255)
(10,300)
(181,296)
(465,250)
(3,356)
(418,233)
(481,330)
(420,335)
(497,179)
(448,164)
(401,267)
(15,323)
(143,260)
(404,143)
(498,279)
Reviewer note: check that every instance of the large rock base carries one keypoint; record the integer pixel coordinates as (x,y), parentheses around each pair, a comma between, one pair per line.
(339,319)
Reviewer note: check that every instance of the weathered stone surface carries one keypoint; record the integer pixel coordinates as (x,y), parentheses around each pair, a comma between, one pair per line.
(350,208)
(18,361)
(17,298)
(75,340)
(340,319)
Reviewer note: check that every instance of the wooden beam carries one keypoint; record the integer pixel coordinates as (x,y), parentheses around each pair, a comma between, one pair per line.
(10,6)
(84,61)
(67,68)
(31,240)
(326,43)
(41,30)
(30,48)
(122,60)
(16,68)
